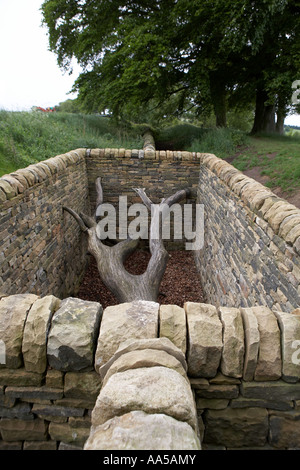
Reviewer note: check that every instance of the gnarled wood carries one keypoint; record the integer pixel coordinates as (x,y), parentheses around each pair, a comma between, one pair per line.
(110,259)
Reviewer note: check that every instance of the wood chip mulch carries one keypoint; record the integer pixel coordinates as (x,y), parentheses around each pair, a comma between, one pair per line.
(181,281)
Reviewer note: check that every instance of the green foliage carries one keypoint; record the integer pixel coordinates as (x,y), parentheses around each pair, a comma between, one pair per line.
(223,142)
(28,137)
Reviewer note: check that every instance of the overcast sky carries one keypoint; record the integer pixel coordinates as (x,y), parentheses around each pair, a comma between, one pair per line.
(29,74)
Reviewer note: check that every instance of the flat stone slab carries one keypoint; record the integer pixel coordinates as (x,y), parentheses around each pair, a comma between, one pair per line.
(131,320)
(152,390)
(13,313)
(73,335)
(232,361)
(269,354)
(34,345)
(290,345)
(144,358)
(159,344)
(205,341)
(142,431)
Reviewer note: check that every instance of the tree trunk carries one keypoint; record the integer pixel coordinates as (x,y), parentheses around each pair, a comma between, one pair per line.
(264,120)
(218,97)
(110,259)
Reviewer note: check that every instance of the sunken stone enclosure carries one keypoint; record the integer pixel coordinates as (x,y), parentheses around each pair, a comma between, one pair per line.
(224,374)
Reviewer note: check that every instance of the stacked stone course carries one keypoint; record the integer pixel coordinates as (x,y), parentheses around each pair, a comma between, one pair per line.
(225,377)
(251,253)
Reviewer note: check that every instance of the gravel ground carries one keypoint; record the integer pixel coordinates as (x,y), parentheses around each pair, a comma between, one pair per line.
(181,282)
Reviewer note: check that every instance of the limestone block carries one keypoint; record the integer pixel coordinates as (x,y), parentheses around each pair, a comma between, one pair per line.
(13,314)
(73,335)
(152,390)
(125,321)
(83,385)
(251,343)
(233,427)
(139,430)
(204,339)
(172,325)
(290,345)
(269,355)
(233,342)
(17,429)
(285,430)
(288,224)
(144,358)
(66,433)
(159,344)
(34,346)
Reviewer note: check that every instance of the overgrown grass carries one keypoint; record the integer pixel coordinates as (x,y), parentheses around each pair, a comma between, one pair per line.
(223,142)
(28,137)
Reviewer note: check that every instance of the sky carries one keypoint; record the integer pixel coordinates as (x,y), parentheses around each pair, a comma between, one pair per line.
(29,74)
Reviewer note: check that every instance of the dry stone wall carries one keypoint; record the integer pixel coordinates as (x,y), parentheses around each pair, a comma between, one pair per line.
(172,378)
(41,249)
(251,252)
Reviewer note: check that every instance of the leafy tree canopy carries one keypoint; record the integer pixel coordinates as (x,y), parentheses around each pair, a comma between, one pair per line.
(170,56)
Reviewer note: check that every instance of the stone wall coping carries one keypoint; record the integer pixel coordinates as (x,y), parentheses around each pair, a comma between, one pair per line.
(15,183)
(282,217)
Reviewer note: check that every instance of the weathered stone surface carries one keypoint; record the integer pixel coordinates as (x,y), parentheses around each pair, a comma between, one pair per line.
(290,345)
(269,354)
(158,344)
(66,433)
(153,390)
(20,377)
(40,445)
(122,322)
(172,325)
(17,429)
(46,411)
(204,339)
(34,345)
(19,411)
(144,358)
(83,385)
(251,342)
(54,378)
(219,391)
(233,342)
(236,427)
(73,335)
(42,393)
(285,430)
(277,390)
(13,313)
(139,430)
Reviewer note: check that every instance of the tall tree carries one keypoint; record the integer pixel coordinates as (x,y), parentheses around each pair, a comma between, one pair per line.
(201,53)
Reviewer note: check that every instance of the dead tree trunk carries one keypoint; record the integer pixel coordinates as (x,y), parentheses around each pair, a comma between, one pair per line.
(110,259)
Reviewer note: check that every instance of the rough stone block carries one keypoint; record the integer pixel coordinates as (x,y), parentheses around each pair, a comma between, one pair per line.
(139,430)
(172,325)
(17,429)
(133,320)
(82,385)
(236,427)
(152,390)
(251,343)
(73,335)
(66,433)
(153,344)
(285,430)
(34,346)
(13,313)
(233,342)
(269,354)
(204,339)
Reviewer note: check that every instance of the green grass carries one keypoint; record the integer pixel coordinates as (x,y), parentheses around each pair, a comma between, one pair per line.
(28,137)
(278,157)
